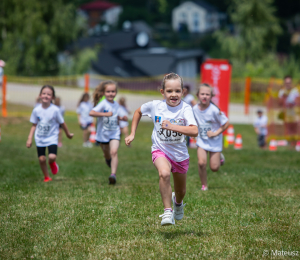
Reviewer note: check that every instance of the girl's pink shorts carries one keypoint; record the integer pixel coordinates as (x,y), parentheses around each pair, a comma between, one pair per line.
(180,167)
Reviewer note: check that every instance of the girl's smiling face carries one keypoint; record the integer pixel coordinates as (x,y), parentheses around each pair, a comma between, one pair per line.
(172,92)
(46,96)
(204,96)
(110,92)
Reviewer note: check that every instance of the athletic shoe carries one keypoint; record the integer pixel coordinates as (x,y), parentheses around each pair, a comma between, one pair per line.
(167,218)
(47,179)
(222,159)
(89,144)
(112,179)
(204,188)
(54,168)
(178,210)
(84,144)
(59,144)
(108,162)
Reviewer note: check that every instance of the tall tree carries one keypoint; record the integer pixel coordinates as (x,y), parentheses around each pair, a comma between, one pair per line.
(256,30)
(32,34)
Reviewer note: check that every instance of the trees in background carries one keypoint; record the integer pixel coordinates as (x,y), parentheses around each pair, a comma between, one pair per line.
(33,32)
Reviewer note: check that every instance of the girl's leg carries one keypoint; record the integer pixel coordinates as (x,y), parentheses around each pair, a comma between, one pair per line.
(163,167)
(179,186)
(105,149)
(43,165)
(214,161)
(114,146)
(202,160)
(124,131)
(84,135)
(87,134)
(52,158)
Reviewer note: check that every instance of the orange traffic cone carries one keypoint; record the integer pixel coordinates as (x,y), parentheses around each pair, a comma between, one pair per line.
(297,146)
(193,141)
(273,145)
(230,135)
(238,145)
(93,134)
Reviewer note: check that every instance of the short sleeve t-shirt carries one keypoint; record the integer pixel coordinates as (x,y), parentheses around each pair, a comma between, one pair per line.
(83,110)
(48,121)
(108,127)
(188,99)
(261,124)
(171,143)
(291,96)
(209,120)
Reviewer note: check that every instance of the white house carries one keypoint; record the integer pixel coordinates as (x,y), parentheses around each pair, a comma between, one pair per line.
(198,16)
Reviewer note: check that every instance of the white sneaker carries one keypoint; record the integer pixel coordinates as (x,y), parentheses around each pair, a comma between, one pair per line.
(167,218)
(222,159)
(84,144)
(178,210)
(89,144)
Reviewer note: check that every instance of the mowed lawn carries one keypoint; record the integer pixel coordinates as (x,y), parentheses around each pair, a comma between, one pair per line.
(252,203)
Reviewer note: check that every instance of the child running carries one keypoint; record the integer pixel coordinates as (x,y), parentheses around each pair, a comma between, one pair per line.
(212,123)
(173,119)
(45,119)
(62,110)
(124,111)
(108,129)
(84,119)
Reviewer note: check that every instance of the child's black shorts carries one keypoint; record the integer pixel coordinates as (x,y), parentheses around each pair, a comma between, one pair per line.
(51,149)
(261,139)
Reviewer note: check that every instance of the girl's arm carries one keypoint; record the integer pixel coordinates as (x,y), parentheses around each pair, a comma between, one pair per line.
(29,140)
(68,134)
(78,117)
(123,118)
(219,131)
(135,121)
(190,130)
(99,114)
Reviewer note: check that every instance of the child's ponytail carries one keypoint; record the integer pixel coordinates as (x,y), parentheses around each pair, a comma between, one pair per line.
(99,91)
(84,95)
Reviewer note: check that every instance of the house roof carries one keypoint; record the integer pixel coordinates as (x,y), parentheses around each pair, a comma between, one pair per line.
(97,5)
(206,5)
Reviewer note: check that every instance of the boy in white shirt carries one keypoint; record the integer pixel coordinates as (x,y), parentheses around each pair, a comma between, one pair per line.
(260,127)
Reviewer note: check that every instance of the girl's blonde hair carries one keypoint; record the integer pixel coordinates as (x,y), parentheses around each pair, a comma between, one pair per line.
(211,93)
(84,95)
(122,101)
(99,91)
(171,76)
(57,101)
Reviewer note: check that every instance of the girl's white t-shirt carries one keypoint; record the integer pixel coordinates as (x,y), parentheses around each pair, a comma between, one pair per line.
(173,144)
(209,120)
(108,127)
(123,112)
(83,110)
(48,121)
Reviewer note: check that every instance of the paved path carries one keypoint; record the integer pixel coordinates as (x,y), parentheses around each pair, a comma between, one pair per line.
(26,95)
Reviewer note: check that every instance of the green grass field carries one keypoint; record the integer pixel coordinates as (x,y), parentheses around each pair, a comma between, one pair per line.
(252,203)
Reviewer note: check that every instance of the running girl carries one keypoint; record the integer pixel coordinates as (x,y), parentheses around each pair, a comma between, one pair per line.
(45,119)
(173,119)
(212,123)
(108,129)
(84,119)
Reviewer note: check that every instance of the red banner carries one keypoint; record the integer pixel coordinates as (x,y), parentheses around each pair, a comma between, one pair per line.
(217,73)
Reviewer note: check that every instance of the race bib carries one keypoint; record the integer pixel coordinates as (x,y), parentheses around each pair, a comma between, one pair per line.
(203,130)
(110,123)
(167,136)
(43,129)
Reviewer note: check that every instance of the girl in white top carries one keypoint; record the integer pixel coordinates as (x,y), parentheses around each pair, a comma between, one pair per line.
(212,123)
(46,119)
(173,119)
(84,119)
(108,129)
